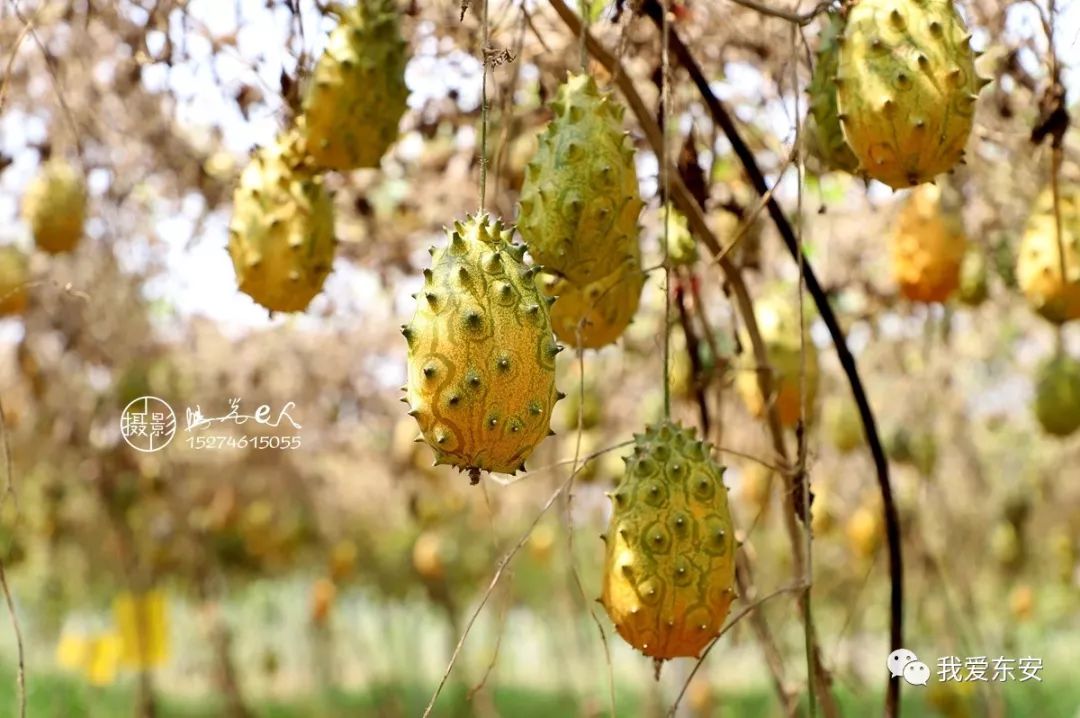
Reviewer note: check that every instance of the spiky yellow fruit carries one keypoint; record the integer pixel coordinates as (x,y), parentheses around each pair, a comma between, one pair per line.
(826,136)
(906,88)
(781,332)
(580,199)
(55,207)
(281,237)
(600,311)
(14,274)
(357,94)
(1057,395)
(928,247)
(669,571)
(481,367)
(1054,295)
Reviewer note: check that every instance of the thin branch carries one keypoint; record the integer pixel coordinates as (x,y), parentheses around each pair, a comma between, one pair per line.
(491,588)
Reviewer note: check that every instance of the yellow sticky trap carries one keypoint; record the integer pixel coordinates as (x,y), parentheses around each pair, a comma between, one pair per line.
(104,658)
(72,651)
(143,626)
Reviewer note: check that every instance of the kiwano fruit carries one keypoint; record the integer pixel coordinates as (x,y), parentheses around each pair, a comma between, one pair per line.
(827,141)
(601,310)
(928,247)
(281,237)
(1039,262)
(357,94)
(781,332)
(1057,395)
(55,207)
(14,274)
(580,199)
(906,88)
(669,571)
(481,364)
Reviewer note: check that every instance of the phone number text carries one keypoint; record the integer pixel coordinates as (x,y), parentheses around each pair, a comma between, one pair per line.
(244,442)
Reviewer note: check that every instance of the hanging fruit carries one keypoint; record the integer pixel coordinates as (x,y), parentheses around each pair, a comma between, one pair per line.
(826,137)
(781,332)
(14,275)
(357,94)
(580,199)
(906,88)
(601,311)
(928,247)
(281,236)
(55,207)
(1057,395)
(669,571)
(481,364)
(1049,280)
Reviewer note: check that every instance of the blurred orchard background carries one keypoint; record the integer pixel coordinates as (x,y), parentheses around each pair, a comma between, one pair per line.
(335,579)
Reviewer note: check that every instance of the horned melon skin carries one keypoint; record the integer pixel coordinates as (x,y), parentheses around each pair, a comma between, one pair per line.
(602,309)
(1054,296)
(928,247)
(1057,395)
(481,360)
(780,331)
(55,207)
(669,569)
(906,88)
(281,235)
(14,274)
(580,199)
(827,137)
(357,93)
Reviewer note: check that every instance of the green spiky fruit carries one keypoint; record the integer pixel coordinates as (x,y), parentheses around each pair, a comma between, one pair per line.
(600,311)
(906,88)
(281,236)
(580,200)
(357,94)
(1057,395)
(14,274)
(781,332)
(55,207)
(670,562)
(1039,264)
(481,352)
(973,279)
(681,247)
(927,247)
(826,136)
